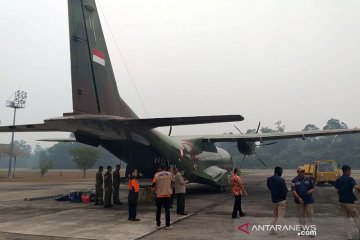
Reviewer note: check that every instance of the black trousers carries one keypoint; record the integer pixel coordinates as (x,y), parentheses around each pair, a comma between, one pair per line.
(116,194)
(237,206)
(107,200)
(180,203)
(132,210)
(172,197)
(99,193)
(163,203)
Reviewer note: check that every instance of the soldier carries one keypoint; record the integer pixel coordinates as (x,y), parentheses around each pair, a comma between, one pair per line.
(116,185)
(99,191)
(108,187)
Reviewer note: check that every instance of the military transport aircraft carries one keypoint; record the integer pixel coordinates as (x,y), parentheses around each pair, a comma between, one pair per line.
(101,117)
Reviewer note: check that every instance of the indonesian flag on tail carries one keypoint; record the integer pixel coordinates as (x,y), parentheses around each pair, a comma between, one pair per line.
(98,56)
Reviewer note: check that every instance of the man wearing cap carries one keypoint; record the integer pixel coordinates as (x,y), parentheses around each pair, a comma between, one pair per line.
(302,188)
(276,184)
(345,186)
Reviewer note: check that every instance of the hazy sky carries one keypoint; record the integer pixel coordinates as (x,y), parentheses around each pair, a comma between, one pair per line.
(295,61)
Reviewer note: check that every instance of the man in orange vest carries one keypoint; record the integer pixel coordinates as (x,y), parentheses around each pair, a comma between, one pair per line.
(133,196)
(237,190)
(162,185)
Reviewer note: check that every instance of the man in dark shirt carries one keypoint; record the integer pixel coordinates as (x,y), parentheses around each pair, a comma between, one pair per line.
(276,184)
(302,188)
(345,186)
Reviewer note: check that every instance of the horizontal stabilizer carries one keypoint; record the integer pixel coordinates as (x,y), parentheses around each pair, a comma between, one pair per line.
(29,128)
(57,140)
(173,121)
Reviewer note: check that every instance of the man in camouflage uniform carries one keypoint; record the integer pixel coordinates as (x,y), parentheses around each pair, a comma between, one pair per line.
(99,191)
(108,187)
(116,185)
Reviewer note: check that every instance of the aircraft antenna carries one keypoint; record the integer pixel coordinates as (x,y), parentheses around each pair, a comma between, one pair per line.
(123,59)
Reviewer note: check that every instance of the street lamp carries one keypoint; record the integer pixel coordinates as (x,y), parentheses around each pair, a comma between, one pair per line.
(16,101)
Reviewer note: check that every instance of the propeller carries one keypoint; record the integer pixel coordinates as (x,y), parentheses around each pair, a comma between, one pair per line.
(242,160)
(267,144)
(170,130)
(238,129)
(254,152)
(258,158)
(257,130)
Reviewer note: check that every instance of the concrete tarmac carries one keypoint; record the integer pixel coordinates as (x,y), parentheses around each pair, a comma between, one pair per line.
(209,214)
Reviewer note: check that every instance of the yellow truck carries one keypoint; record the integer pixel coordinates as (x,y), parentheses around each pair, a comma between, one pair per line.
(322,171)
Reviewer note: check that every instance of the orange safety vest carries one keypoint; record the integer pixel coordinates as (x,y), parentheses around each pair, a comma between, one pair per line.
(133,183)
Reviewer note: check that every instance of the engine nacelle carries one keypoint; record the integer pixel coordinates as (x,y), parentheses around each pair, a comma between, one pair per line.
(245,147)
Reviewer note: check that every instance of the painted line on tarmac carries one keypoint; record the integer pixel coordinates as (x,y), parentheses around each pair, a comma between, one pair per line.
(184,218)
(43,197)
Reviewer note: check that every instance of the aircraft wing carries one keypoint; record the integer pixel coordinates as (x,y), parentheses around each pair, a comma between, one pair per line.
(42,127)
(271,136)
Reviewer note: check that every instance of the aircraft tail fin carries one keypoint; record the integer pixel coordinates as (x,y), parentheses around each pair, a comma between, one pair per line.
(94,88)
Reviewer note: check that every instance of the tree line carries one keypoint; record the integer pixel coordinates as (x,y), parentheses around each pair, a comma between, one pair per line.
(62,156)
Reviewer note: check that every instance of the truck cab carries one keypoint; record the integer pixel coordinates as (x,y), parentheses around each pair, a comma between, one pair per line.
(323,171)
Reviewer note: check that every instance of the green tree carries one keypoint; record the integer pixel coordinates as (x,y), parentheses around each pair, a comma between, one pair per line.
(84,157)
(44,166)
(310,127)
(23,146)
(267,130)
(335,124)
(279,127)
(251,131)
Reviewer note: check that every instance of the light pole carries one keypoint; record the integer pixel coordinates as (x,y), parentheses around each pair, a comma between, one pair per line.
(18,101)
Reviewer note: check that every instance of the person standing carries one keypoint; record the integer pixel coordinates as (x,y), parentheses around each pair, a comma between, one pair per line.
(345,186)
(116,185)
(180,191)
(169,169)
(99,190)
(108,187)
(237,190)
(302,188)
(133,196)
(162,185)
(277,186)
